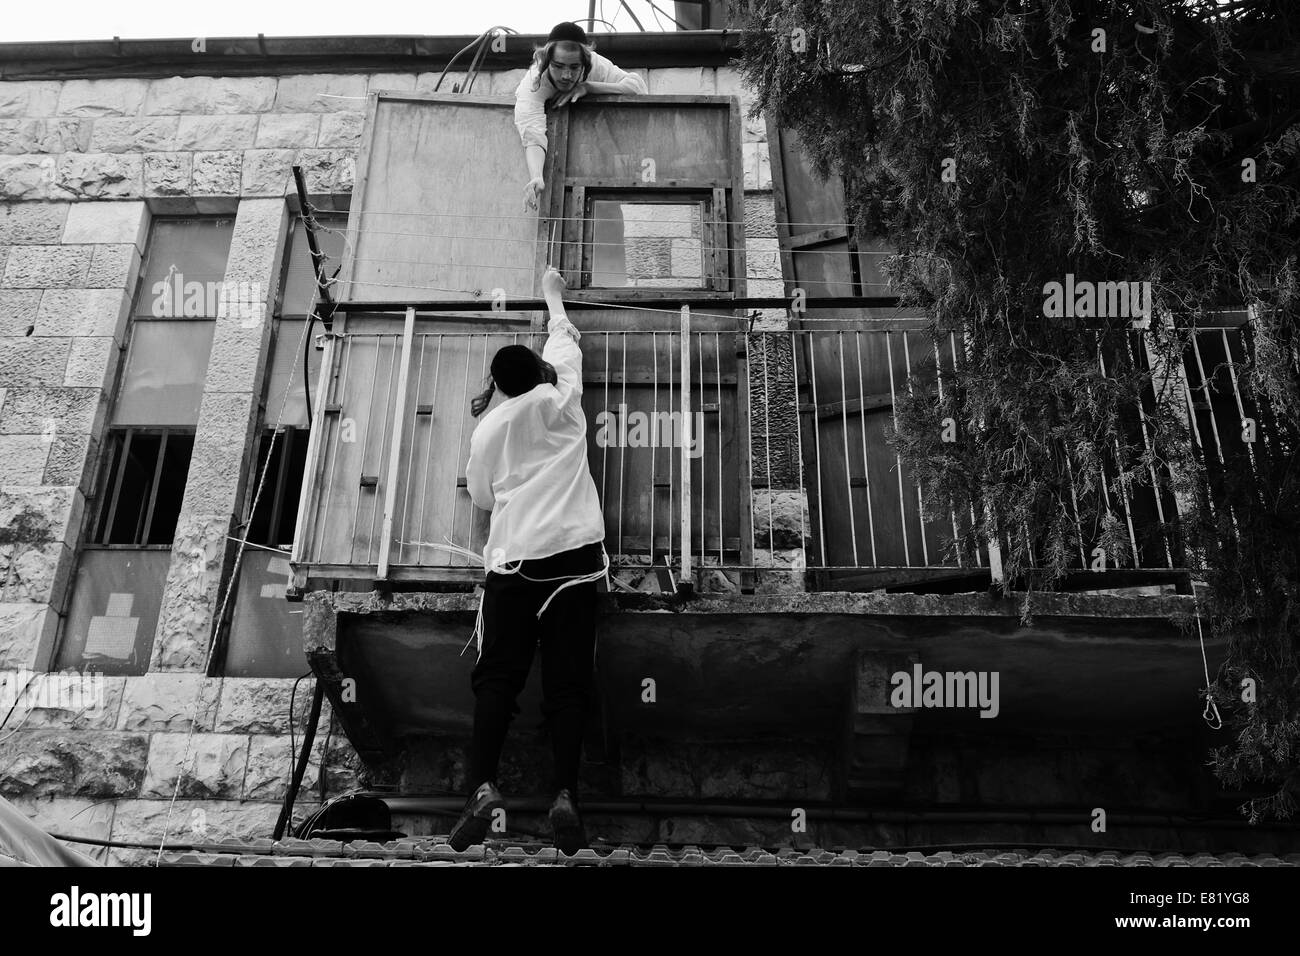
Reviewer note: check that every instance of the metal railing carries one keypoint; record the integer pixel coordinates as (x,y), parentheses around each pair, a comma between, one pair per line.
(774,454)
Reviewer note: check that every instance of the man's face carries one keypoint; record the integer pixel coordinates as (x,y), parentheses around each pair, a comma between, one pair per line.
(566,66)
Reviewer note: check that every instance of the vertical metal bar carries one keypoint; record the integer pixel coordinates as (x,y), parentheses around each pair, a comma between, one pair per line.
(952,348)
(952,506)
(281,479)
(406,527)
(604,446)
(698,441)
(767,448)
(622,455)
(798,464)
(1147,444)
(339,384)
(817,443)
(424,472)
(893,399)
(920,505)
(686,432)
(844,436)
(862,432)
(749,438)
(388,438)
(1123,482)
(1236,394)
(365,448)
(121,459)
(717,367)
(654,441)
(153,490)
(395,452)
(460,444)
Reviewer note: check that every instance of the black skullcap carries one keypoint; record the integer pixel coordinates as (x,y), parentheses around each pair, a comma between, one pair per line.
(515,369)
(568,31)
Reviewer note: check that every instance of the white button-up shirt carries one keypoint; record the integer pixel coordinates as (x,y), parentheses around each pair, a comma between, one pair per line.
(528,463)
(530,104)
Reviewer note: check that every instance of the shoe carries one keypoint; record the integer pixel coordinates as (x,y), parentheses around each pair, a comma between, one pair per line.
(566,824)
(475,819)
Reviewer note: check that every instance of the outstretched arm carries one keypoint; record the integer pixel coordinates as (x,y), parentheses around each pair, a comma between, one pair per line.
(561,348)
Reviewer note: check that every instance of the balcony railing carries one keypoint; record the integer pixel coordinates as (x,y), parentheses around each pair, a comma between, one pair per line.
(774,455)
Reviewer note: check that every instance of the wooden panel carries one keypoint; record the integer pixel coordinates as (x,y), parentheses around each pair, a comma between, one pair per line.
(686,142)
(438,211)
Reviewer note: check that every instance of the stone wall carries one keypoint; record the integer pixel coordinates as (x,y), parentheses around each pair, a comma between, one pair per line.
(84,165)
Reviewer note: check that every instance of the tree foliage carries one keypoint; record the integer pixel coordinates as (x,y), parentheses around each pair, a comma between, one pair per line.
(1113,141)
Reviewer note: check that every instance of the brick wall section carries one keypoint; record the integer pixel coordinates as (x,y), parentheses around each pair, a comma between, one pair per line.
(84,164)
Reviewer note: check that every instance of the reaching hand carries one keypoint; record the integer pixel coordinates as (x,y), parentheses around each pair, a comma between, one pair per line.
(553,283)
(532,192)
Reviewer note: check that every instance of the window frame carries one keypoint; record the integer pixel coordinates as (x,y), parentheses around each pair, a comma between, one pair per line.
(106,511)
(711,275)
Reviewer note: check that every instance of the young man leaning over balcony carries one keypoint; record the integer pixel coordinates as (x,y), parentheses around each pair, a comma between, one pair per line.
(563,71)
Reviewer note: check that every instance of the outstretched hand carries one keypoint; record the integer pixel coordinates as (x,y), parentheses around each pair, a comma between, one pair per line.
(553,284)
(532,191)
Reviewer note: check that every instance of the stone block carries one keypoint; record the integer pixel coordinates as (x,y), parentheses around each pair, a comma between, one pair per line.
(19,137)
(23,629)
(216,132)
(217,173)
(26,177)
(425,82)
(69,453)
(260,705)
(22,98)
(320,93)
(134,135)
(270,767)
(32,360)
(23,458)
(501,82)
(98,176)
(268,172)
(340,130)
(189,95)
(83,312)
(762,258)
(114,267)
(379,82)
(72,763)
(328,170)
(92,702)
(106,222)
(691,80)
(30,410)
(33,223)
(167,174)
(760,216)
(104,97)
(209,766)
(142,821)
(758,166)
(47,267)
(34,514)
(189,597)
(88,362)
(288,130)
(33,572)
(18,310)
(169,703)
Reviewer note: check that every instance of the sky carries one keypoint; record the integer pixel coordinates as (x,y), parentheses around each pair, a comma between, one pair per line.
(147,19)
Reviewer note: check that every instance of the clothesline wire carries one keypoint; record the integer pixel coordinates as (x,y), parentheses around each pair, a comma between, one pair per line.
(535,216)
(704,244)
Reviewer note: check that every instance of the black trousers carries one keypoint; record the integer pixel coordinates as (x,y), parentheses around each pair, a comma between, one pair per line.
(566,633)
